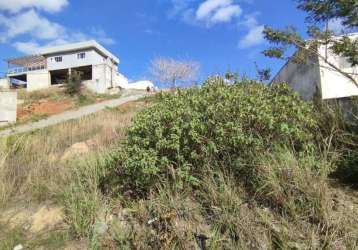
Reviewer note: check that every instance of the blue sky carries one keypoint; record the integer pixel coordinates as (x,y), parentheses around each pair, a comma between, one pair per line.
(219,34)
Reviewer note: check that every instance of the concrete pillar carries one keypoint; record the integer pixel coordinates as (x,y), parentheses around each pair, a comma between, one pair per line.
(8,106)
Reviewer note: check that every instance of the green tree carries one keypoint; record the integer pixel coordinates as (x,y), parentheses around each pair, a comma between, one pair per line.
(263,74)
(325,10)
(74,83)
(320,14)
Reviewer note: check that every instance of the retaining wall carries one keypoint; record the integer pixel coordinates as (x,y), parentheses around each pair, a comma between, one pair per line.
(8,107)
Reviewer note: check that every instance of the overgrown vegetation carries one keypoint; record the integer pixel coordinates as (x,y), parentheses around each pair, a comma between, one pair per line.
(41,166)
(217,125)
(232,167)
(243,166)
(338,122)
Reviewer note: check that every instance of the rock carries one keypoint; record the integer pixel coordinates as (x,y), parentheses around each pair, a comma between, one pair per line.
(79,148)
(46,217)
(91,143)
(100,228)
(18,247)
(76,149)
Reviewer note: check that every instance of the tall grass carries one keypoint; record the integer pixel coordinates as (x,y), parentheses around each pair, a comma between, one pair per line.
(32,164)
(291,207)
(282,198)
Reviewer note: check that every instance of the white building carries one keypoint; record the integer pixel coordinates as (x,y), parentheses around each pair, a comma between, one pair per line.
(317,75)
(52,65)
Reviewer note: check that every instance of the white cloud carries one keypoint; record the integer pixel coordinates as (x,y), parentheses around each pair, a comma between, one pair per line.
(217,11)
(46,5)
(27,30)
(33,47)
(209,12)
(227,13)
(179,6)
(206,9)
(27,47)
(29,22)
(254,36)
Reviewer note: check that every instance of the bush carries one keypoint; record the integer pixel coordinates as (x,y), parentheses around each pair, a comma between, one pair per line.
(74,83)
(338,125)
(216,125)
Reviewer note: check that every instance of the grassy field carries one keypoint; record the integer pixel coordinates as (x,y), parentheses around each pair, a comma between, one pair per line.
(63,174)
(33,170)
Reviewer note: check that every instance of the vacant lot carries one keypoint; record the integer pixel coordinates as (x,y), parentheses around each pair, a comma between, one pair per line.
(35,169)
(220,167)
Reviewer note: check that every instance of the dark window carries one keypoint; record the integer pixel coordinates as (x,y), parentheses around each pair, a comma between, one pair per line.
(81,55)
(58,58)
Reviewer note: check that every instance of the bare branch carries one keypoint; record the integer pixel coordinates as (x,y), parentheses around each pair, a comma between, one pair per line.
(171,72)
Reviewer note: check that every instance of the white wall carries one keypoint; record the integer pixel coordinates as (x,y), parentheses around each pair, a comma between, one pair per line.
(334,84)
(8,106)
(4,83)
(120,81)
(38,80)
(103,69)
(70,60)
(302,78)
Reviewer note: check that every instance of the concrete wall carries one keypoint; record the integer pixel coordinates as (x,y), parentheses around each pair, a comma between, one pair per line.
(334,84)
(103,78)
(38,80)
(70,60)
(4,83)
(303,78)
(8,106)
(103,69)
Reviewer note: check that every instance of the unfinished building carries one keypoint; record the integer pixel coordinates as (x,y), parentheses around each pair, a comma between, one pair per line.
(51,66)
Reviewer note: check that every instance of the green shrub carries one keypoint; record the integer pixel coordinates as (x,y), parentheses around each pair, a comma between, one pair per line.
(82,198)
(216,125)
(74,83)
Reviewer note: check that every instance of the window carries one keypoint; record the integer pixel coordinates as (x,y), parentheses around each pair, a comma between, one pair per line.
(81,55)
(58,58)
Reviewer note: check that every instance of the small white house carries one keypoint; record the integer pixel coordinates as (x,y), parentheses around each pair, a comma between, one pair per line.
(52,65)
(316,74)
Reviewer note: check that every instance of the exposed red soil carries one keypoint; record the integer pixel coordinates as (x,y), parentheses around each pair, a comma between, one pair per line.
(43,107)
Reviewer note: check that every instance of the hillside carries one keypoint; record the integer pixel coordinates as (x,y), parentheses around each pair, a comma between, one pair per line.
(241,166)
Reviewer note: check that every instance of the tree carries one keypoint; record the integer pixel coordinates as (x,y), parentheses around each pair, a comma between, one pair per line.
(325,10)
(263,74)
(172,72)
(320,14)
(74,83)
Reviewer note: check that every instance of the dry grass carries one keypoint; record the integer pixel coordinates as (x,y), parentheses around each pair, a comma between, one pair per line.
(288,206)
(31,164)
(295,210)
(33,170)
